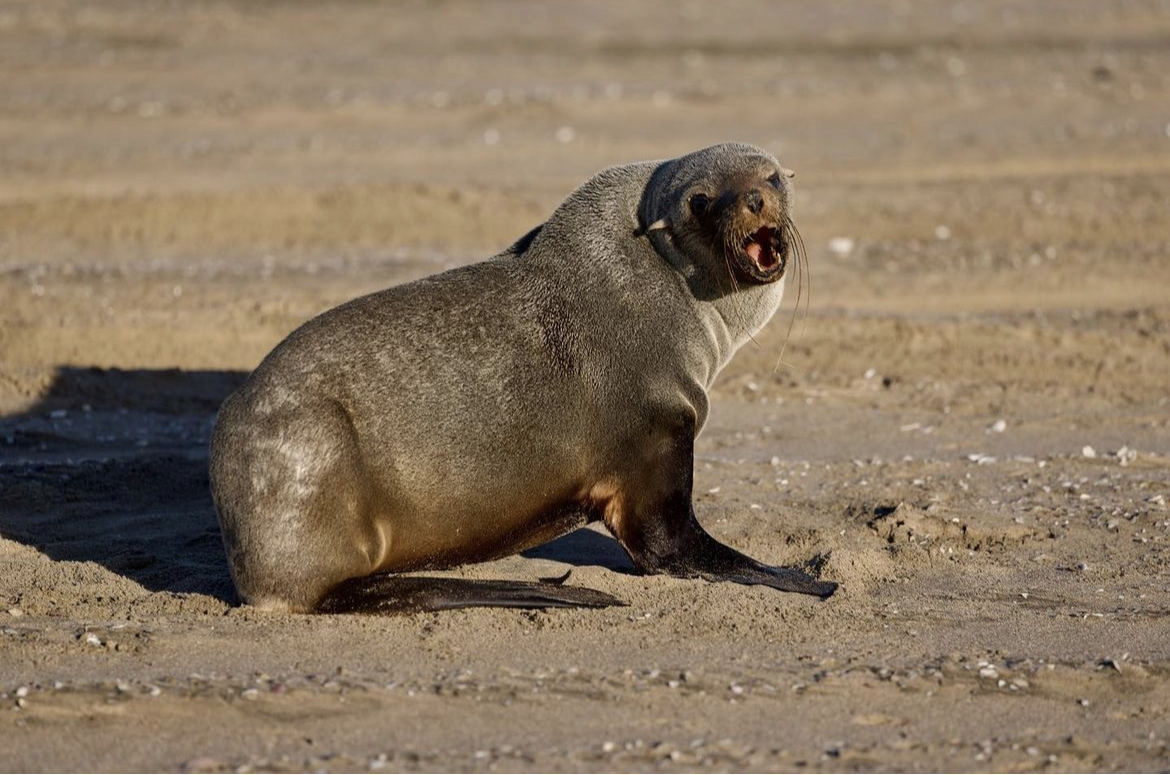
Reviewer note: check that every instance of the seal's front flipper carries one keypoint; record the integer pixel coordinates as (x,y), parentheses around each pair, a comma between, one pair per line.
(676,544)
(387,594)
(656,524)
(784,579)
(713,561)
(694,552)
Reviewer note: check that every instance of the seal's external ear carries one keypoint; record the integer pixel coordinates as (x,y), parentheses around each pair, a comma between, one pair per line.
(787,173)
(661,223)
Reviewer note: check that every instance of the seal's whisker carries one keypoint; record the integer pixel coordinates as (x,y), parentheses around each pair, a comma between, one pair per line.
(718,247)
(731,243)
(804,276)
(730,272)
(796,246)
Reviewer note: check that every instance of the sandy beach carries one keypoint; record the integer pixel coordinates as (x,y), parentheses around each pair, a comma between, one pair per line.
(967,427)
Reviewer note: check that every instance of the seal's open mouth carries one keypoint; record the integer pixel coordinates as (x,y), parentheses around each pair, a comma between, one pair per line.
(759,248)
(765,249)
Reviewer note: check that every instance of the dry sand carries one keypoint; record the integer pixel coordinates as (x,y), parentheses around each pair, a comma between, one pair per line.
(969,430)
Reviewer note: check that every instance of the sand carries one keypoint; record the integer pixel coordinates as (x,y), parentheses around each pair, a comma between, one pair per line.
(967,425)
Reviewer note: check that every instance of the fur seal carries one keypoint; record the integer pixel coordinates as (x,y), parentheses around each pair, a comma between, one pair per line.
(473,414)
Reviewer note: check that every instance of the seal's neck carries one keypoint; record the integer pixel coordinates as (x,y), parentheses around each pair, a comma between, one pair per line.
(733,320)
(731,311)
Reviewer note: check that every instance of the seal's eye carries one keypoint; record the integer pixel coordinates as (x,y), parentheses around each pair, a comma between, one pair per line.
(699,204)
(775,180)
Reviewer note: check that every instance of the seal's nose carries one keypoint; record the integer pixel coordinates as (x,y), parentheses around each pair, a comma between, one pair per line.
(754,200)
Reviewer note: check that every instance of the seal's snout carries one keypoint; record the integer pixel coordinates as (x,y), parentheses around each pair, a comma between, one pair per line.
(753,200)
(751,221)
(737,204)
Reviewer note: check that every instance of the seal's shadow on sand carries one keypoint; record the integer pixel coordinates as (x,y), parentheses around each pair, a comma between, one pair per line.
(584,547)
(110,466)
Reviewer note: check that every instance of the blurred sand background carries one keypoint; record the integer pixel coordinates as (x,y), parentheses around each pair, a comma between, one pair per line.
(969,431)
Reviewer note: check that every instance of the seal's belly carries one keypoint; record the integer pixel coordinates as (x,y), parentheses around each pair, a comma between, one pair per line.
(428,539)
(444,497)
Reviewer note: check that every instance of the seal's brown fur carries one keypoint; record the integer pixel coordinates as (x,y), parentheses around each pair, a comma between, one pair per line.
(473,414)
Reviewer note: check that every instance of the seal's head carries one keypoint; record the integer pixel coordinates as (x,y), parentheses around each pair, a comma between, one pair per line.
(729,203)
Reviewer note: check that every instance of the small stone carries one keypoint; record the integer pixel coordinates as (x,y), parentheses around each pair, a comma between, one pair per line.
(21,691)
(1087,451)
(999,426)
(841,246)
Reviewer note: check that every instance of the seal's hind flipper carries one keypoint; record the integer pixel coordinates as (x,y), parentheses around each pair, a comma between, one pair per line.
(387,594)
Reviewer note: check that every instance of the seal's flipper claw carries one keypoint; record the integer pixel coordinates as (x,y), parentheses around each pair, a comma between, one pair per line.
(386,595)
(557,580)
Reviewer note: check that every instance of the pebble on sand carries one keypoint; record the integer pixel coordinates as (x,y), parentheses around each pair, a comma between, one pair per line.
(841,246)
